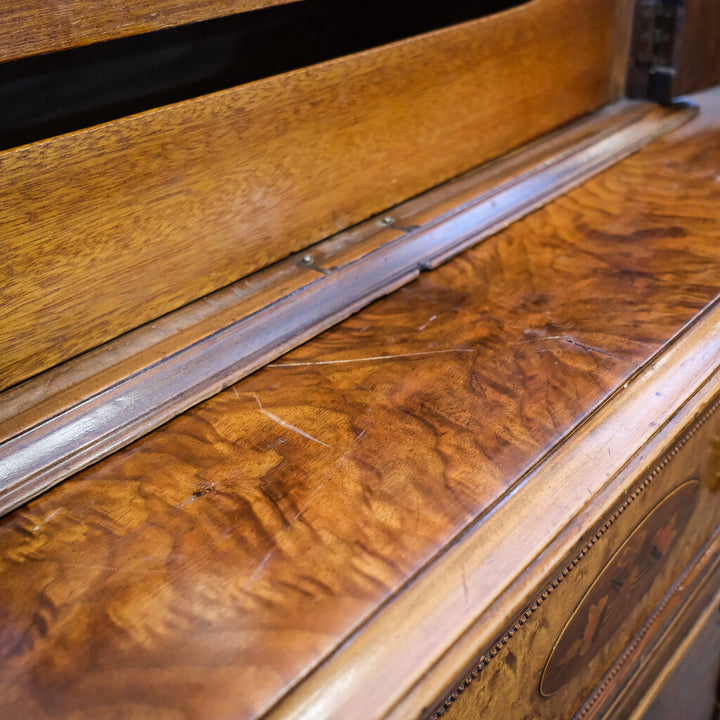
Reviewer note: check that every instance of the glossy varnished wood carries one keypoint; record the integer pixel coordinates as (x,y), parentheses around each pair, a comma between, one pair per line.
(478,594)
(203,570)
(96,425)
(621,633)
(29,27)
(112,226)
(49,393)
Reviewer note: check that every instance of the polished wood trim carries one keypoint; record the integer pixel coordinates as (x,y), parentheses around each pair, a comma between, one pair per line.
(53,392)
(30,27)
(456,605)
(636,664)
(115,225)
(36,459)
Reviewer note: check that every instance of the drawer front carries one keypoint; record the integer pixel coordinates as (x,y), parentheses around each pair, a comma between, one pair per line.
(605,595)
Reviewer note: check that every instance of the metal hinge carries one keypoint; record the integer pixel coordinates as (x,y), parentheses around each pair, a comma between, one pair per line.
(657,34)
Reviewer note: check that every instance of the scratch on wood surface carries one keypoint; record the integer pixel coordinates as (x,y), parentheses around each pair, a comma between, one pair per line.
(48,518)
(374,357)
(430,319)
(261,565)
(570,339)
(200,492)
(288,425)
(52,515)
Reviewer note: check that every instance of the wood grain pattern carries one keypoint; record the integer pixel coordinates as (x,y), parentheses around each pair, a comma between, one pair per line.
(60,388)
(29,27)
(39,457)
(507,557)
(49,393)
(206,568)
(113,226)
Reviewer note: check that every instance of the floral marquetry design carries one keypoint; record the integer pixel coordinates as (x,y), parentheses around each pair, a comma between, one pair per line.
(620,587)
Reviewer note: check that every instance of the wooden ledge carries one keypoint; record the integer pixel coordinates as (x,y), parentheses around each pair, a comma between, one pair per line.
(30,27)
(112,396)
(461,600)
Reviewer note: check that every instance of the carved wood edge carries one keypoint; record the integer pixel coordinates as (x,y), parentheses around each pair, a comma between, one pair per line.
(486,658)
(36,458)
(407,654)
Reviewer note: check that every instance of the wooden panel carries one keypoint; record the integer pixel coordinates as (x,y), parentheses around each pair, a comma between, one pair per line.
(29,27)
(33,461)
(699,62)
(618,586)
(622,43)
(206,568)
(112,226)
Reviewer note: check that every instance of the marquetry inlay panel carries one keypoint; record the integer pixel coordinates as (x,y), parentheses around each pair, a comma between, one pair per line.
(548,661)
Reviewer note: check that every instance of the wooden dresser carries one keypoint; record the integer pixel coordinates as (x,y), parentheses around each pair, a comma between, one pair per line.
(359,360)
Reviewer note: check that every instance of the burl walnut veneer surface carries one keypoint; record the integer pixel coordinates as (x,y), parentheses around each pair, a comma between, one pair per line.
(204,569)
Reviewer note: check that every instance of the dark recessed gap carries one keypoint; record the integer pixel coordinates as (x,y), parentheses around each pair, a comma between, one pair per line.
(56,93)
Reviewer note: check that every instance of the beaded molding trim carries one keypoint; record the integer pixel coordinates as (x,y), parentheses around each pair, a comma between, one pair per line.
(486,658)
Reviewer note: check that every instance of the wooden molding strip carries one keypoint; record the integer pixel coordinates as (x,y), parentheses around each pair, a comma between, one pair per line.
(51,392)
(35,458)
